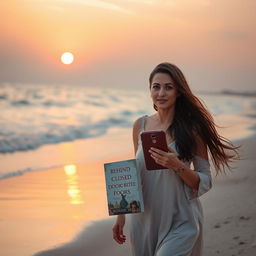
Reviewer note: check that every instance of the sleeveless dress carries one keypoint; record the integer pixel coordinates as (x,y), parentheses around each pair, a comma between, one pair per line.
(171,224)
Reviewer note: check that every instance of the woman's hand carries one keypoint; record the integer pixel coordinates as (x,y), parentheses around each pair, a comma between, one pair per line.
(118,229)
(171,161)
(166,159)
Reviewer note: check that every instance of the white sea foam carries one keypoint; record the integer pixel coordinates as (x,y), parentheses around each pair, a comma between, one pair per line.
(32,116)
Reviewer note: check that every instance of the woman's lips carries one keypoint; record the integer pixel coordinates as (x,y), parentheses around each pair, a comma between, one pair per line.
(161,101)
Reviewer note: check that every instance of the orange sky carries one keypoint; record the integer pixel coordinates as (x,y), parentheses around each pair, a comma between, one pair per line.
(117,43)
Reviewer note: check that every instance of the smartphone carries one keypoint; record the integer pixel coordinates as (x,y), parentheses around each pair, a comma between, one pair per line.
(156,139)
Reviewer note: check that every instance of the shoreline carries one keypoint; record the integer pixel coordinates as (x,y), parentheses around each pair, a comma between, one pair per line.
(79,151)
(57,155)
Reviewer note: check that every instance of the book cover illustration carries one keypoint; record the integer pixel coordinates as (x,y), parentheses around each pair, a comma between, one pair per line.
(123,187)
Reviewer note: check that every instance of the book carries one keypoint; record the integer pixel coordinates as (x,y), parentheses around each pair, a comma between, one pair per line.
(123,187)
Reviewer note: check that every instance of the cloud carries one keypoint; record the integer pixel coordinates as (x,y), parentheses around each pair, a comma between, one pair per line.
(109,5)
(122,6)
(98,3)
(139,1)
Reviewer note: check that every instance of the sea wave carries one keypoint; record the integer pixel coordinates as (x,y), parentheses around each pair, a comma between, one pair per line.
(20,172)
(35,115)
(59,133)
(14,173)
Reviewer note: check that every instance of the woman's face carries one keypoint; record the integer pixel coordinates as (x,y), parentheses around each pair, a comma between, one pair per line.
(163,91)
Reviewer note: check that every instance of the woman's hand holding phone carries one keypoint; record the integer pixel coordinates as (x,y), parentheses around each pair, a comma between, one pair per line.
(153,139)
(168,159)
(157,154)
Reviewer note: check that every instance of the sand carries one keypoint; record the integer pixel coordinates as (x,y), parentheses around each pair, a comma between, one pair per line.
(230,208)
(62,211)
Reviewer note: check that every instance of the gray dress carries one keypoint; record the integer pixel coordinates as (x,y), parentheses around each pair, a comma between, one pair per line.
(171,224)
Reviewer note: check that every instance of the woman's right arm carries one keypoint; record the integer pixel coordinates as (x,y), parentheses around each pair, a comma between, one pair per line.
(117,229)
(118,234)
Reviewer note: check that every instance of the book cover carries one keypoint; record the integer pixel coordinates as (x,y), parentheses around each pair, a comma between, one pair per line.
(123,187)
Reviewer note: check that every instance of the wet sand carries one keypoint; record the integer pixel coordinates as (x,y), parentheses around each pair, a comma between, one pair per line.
(63,211)
(42,209)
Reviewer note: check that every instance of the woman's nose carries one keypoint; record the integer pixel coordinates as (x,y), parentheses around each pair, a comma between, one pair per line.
(161,91)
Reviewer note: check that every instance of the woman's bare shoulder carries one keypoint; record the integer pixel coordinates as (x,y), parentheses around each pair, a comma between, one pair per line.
(135,133)
(137,126)
(137,123)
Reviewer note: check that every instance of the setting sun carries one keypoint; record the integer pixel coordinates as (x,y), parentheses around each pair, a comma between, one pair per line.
(67,58)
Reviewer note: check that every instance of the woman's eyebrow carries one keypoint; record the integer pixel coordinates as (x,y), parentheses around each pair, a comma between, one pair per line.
(164,84)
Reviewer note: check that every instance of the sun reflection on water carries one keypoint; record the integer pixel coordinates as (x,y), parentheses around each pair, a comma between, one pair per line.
(73,191)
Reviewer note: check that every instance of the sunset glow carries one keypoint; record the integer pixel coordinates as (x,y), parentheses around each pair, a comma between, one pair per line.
(67,58)
(200,36)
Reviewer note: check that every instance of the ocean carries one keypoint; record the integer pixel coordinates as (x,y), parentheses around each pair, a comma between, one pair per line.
(33,116)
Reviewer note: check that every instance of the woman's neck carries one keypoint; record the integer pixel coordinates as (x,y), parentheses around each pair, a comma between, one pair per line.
(165,117)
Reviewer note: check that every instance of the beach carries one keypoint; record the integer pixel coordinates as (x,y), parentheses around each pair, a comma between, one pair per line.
(54,143)
(63,211)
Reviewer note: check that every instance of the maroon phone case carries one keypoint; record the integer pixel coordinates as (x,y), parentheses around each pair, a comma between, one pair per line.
(156,139)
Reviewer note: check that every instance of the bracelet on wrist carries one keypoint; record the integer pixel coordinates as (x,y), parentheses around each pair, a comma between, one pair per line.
(180,170)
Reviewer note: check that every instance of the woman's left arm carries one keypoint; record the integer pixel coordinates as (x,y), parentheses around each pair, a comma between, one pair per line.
(199,180)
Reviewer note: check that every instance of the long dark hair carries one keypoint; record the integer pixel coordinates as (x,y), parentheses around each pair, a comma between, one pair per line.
(192,119)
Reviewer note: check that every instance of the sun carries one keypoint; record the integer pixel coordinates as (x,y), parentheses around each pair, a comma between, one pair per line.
(67,58)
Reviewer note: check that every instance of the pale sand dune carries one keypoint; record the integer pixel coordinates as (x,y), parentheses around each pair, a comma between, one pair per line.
(37,213)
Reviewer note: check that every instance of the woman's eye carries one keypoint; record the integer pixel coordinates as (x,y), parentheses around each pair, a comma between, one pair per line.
(169,87)
(155,86)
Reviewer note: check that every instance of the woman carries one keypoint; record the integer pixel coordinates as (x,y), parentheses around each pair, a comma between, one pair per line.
(171,224)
